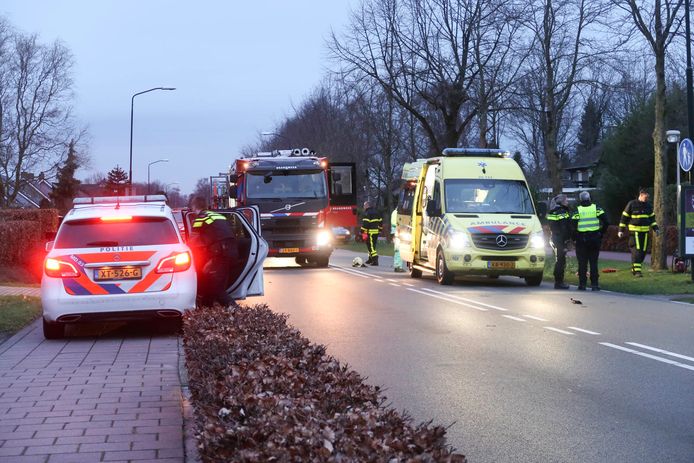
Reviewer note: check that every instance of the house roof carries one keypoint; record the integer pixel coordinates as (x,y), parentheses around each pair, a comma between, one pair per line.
(586,159)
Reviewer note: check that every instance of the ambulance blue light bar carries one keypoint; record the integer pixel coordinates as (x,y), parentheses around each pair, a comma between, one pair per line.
(476,152)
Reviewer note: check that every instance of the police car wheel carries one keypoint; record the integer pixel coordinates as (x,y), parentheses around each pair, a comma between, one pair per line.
(53,330)
(443,275)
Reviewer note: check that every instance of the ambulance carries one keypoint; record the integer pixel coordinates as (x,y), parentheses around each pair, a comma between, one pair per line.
(468,213)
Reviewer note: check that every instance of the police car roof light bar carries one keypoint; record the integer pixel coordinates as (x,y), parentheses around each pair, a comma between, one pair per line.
(119,200)
(480,152)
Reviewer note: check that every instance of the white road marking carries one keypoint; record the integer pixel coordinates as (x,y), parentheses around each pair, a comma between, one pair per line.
(518,319)
(448,299)
(661,351)
(652,357)
(575,328)
(558,330)
(392,280)
(466,299)
(350,272)
(539,319)
(408,284)
(394,284)
(379,280)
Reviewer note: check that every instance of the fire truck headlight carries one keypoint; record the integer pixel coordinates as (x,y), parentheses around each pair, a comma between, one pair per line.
(323,238)
(537,240)
(459,240)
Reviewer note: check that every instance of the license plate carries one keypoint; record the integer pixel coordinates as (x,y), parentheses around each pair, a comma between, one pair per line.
(501,264)
(288,250)
(119,273)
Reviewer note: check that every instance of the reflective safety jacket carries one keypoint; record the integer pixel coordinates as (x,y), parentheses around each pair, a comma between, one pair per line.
(638,217)
(589,219)
(560,224)
(372,223)
(212,228)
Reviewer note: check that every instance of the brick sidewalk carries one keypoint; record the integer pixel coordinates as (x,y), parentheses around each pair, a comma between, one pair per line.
(90,399)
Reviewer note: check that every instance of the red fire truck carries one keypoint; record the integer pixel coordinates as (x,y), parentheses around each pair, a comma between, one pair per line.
(304,201)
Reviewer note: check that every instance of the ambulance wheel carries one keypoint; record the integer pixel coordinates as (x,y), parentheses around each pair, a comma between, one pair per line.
(443,275)
(53,330)
(414,272)
(534,280)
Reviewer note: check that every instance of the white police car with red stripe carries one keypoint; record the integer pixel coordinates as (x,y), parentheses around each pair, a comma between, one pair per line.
(125,258)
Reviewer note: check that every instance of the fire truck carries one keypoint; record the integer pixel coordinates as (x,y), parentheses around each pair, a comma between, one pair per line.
(304,201)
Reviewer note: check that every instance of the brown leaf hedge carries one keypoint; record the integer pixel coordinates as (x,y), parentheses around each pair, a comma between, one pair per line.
(262,392)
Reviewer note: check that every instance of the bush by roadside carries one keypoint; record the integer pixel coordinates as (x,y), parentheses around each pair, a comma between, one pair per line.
(262,392)
(23,234)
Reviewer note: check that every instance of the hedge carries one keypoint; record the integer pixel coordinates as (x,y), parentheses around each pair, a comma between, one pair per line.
(262,392)
(19,241)
(47,219)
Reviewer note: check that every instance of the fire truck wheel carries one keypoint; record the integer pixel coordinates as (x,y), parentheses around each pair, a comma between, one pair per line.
(300,260)
(322,261)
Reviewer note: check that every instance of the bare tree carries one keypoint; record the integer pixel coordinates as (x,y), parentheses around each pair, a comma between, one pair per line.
(35,113)
(658,22)
(563,43)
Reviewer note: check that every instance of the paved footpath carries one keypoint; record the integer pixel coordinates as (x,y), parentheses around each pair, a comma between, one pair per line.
(114,397)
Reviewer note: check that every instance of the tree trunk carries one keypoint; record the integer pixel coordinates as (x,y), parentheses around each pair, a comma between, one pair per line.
(659,252)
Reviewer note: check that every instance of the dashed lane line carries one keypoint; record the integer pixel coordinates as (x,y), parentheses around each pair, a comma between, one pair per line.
(539,319)
(466,299)
(378,280)
(394,284)
(448,299)
(518,319)
(551,328)
(409,284)
(650,356)
(661,351)
(582,330)
(350,272)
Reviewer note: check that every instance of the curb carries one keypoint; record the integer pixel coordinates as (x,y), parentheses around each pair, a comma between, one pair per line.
(190,444)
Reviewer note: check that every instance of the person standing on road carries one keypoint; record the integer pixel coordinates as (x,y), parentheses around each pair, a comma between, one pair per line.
(589,224)
(397,261)
(559,218)
(214,247)
(371,226)
(638,217)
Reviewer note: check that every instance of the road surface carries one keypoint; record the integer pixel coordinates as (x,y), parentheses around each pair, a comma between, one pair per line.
(520,374)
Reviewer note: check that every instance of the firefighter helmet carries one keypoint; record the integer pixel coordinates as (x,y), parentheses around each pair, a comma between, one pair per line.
(357,262)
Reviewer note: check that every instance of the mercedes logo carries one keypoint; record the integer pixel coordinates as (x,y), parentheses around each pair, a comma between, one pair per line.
(287,207)
(501,241)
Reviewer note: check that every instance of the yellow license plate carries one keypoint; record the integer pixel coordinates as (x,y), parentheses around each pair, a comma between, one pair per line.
(119,273)
(288,250)
(501,264)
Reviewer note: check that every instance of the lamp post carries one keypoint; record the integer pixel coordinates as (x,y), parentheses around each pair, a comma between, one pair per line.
(132,107)
(278,135)
(150,165)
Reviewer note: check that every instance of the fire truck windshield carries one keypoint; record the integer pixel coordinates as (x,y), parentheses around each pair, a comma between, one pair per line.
(282,184)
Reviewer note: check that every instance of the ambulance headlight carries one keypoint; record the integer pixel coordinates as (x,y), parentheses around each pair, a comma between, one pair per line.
(404,236)
(323,238)
(537,240)
(459,240)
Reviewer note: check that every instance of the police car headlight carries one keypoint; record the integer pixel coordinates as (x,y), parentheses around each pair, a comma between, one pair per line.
(323,238)
(537,240)
(459,240)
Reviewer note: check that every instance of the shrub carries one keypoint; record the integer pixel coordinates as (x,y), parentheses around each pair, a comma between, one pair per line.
(19,240)
(262,392)
(47,219)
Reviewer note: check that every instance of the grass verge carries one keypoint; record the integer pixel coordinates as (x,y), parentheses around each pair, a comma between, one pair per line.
(17,311)
(621,280)
(383,247)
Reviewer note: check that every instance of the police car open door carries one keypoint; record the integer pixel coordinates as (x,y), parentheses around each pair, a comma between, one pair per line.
(246,274)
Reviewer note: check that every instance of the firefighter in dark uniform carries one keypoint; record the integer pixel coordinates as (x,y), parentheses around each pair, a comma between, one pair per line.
(589,224)
(215,251)
(559,217)
(638,218)
(371,226)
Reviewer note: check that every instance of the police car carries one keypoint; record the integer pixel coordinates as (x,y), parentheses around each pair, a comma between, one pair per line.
(125,258)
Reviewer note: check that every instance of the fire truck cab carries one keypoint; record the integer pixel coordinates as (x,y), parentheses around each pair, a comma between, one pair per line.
(291,189)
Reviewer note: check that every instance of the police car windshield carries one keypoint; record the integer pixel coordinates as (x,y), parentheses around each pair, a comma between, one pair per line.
(282,184)
(487,196)
(94,233)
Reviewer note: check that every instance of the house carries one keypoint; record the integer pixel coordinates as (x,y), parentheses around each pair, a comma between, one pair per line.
(34,192)
(576,176)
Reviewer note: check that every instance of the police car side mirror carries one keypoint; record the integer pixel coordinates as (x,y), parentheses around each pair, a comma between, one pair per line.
(49,245)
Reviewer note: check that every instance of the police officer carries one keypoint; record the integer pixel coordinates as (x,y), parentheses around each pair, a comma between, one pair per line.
(371,226)
(589,224)
(559,218)
(638,218)
(214,246)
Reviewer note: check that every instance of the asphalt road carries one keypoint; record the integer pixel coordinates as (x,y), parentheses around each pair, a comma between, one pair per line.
(521,374)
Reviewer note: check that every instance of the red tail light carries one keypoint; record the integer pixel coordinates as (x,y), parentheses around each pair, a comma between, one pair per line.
(117,218)
(177,263)
(58,269)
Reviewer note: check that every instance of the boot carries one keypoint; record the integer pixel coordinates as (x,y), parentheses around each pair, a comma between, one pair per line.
(374,261)
(560,285)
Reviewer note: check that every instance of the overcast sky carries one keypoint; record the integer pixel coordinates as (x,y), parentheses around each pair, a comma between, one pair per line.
(238,67)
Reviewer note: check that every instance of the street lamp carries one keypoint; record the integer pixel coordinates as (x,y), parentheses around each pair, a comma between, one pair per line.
(150,165)
(132,106)
(277,135)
